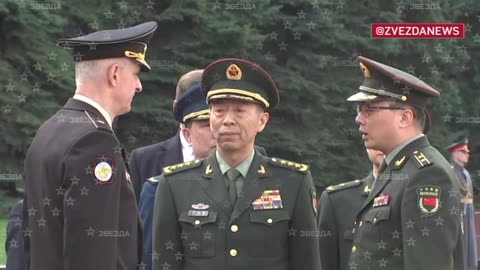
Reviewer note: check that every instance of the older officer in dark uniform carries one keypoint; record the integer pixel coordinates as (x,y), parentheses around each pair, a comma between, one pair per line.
(192,111)
(412,217)
(459,157)
(80,208)
(236,209)
(338,208)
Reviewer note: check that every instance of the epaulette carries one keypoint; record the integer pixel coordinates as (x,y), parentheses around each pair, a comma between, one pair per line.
(153,179)
(341,186)
(290,165)
(421,159)
(181,167)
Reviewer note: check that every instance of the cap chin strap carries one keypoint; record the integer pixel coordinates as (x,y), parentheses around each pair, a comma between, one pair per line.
(381,92)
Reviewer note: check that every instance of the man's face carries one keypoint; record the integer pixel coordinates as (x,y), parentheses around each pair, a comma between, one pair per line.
(199,135)
(235,123)
(128,84)
(461,157)
(378,126)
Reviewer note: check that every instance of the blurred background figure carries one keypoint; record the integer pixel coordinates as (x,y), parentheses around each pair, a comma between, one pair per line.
(460,154)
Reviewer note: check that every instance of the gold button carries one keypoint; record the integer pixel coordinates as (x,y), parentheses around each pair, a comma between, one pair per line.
(360,224)
(197,222)
(354,249)
(233,252)
(234,228)
(269,221)
(374,220)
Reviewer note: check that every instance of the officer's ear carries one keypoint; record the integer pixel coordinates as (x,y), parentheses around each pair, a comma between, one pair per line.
(113,73)
(407,117)
(187,133)
(263,120)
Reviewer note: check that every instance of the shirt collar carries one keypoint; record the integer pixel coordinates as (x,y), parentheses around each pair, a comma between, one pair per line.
(243,167)
(187,150)
(397,149)
(96,106)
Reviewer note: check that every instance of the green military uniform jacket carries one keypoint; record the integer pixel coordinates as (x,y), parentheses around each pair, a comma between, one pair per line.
(412,217)
(195,226)
(338,208)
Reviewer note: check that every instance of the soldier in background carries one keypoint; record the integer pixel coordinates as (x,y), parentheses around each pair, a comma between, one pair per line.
(338,208)
(460,154)
(191,110)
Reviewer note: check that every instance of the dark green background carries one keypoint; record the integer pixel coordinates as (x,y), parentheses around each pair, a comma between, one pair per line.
(308,46)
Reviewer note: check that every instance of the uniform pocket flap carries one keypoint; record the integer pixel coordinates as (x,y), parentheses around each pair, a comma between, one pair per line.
(198,220)
(378,214)
(269,217)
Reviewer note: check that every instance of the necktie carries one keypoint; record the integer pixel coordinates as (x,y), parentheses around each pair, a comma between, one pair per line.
(232,175)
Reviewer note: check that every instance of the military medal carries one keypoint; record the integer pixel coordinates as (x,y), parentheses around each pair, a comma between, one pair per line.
(270,199)
(381,200)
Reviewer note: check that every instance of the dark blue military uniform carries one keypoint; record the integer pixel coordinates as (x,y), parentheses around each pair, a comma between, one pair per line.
(190,106)
(80,210)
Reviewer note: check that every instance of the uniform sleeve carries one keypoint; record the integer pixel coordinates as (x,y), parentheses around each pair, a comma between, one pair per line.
(431,237)
(145,205)
(167,249)
(135,173)
(14,241)
(91,203)
(303,239)
(328,238)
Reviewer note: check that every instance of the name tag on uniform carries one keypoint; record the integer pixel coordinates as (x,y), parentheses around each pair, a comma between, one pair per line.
(196,213)
(270,199)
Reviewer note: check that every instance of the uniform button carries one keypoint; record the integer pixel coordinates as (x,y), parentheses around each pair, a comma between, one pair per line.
(234,228)
(374,220)
(233,252)
(197,222)
(360,224)
(354,249)
(269,221)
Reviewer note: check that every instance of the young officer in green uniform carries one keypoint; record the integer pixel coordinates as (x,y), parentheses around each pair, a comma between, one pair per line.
(236,209)
(412,217)
(338,208)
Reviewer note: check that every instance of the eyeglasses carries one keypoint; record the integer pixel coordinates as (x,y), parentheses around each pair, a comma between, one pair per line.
(365,109)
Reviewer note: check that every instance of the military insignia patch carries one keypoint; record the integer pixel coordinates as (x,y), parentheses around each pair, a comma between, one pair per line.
(428,198)
(103,170)
(270,199)
(200,206)
(365,71)
(234,73)
(290,164)
(381,200)
(313,192)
